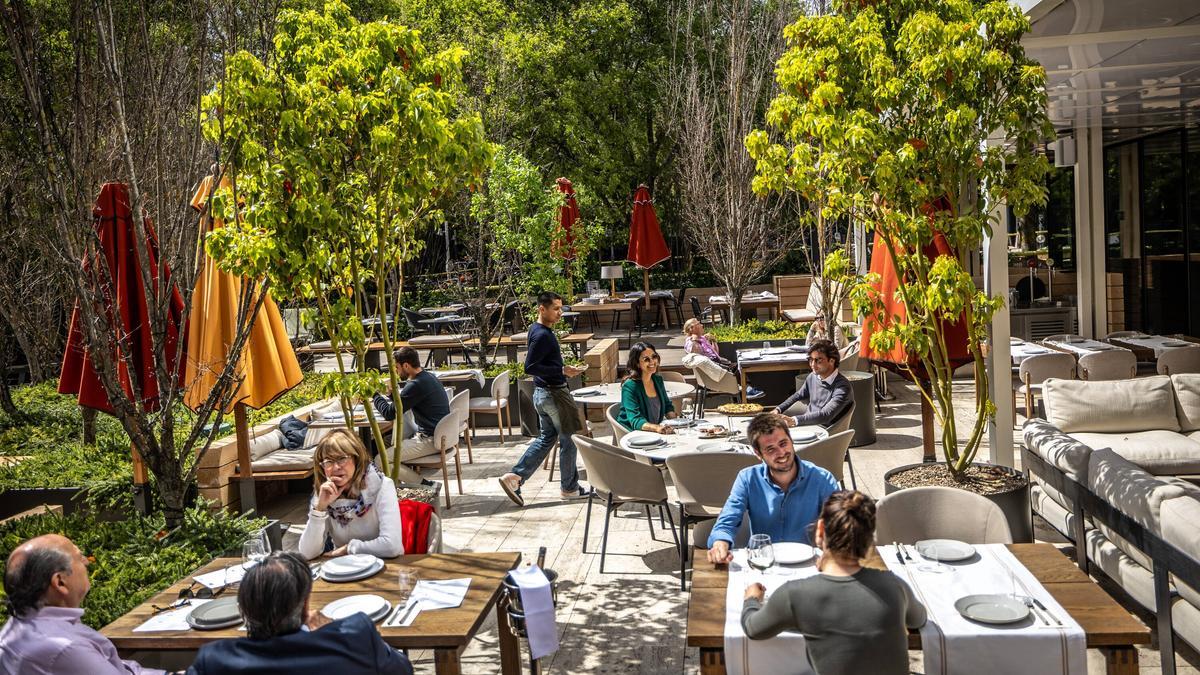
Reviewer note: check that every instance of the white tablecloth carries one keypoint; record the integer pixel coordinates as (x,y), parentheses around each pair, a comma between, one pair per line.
(1024,350)
(783,654)
(765,295)
(608,394)
(1086,347)
(799,358)
(953,644)
(1158,343)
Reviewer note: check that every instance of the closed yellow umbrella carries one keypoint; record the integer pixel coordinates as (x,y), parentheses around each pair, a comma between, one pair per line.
(269,366)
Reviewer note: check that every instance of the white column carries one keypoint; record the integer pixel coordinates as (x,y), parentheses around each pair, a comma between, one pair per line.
(1089,231)
(999,370)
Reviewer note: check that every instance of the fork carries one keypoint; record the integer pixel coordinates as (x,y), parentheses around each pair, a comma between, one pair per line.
(1033,609)
(903,550)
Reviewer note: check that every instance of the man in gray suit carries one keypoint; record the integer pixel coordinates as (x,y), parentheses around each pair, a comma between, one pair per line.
(826,391)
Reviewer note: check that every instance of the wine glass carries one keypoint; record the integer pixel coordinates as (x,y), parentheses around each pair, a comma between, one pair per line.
(407,579)
(253,551)
(761,555)
(929,553)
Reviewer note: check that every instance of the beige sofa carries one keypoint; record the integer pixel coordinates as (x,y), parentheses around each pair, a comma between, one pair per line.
(1133,445)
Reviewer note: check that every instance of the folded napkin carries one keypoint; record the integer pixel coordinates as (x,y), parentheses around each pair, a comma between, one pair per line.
(431,594)
(538,602)
(223,577)
(474,372)
(952,643)
(173,619)
(784,654)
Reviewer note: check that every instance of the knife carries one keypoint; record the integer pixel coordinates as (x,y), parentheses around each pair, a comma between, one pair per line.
(899,556)
(407,612)
(1047,612)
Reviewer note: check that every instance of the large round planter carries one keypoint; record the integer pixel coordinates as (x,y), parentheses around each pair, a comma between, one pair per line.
(1014,503)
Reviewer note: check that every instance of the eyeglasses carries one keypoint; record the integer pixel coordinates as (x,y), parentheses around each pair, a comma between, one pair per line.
(651,358)
(338,461)
(187,595)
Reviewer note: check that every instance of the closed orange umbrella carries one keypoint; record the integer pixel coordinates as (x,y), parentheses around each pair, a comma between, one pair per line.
(269,366)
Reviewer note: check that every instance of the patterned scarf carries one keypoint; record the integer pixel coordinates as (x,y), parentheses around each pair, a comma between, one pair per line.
(347,511)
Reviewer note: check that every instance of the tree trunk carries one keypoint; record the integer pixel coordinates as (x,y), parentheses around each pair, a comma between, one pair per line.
(172,493)
(89,425)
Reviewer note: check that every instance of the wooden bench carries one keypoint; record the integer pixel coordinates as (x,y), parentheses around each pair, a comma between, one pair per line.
(798,303)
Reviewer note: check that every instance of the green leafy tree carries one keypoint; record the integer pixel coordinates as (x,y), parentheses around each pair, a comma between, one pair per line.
(887,110)
(341,147)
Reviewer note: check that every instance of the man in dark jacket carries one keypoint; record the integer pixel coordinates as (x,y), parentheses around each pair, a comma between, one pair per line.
(285,636)
(826,391)
(424,395)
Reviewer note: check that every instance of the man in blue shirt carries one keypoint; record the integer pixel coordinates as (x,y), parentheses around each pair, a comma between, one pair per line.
(783,495)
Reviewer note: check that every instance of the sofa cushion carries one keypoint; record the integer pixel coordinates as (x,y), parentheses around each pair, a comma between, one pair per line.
(1137,581)
(1141,404)
(1185,619)
(1181,529)
(1133,492)
(265,444)
(1187,400)
(1162,453)
(285,460)
(1068,454)
(1046,505)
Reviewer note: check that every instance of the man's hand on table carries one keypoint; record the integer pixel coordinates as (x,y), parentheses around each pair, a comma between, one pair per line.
(756,591)
(315,620)
(719,554)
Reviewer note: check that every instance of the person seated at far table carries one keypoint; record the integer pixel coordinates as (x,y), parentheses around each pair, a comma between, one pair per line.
(782,496)
(847,606)
(698,342)
(826,391)
(285,635)
(354,508)
(45,581)
(644,401)
(425,396)
(819,330)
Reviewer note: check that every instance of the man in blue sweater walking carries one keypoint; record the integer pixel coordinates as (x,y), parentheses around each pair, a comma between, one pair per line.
(557,415)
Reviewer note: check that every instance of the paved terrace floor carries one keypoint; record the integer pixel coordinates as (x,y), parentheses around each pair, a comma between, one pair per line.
(632,618)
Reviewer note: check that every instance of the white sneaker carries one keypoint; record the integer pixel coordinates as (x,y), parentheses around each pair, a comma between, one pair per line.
(581,492)
(511,483)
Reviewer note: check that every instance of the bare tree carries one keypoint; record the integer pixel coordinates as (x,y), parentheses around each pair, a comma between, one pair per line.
(129,109)
(721,84)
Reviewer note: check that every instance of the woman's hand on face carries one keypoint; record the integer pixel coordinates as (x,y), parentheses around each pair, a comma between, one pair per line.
(326,494)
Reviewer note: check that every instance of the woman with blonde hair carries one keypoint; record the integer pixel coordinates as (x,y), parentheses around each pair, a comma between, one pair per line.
(846,605)
(354,508)
(697,342)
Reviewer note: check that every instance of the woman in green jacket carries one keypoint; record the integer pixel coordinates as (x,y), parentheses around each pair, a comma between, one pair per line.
(644,402)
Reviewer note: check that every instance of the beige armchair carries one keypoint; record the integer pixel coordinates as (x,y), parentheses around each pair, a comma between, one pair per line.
(838,425)
(1035,370)
(829,453)
(619,431)
(1116,364)
(1179,360)
(703,482)
(619,479)
(460,404)
(496,404)
(913,514)
(445,438)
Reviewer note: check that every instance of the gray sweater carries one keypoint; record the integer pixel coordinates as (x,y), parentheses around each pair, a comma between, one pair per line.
(825,401)
(855,624)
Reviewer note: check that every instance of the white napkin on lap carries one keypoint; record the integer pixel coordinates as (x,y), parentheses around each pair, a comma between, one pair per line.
(953,644)
(538,602)
(784,654)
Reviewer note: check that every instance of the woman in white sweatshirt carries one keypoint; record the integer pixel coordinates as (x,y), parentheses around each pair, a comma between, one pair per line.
(354,508)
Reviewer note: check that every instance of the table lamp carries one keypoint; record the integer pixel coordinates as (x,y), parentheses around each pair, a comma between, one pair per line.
(612,273)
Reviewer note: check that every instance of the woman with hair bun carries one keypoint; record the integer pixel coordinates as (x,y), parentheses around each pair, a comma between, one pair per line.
(854,619)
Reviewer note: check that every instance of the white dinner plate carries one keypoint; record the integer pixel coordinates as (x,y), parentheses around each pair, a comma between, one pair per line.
(357,576)
(219,613)
(645,440)
(992,608)
(944,550)
(800,436)
(591,391)
(750,357)
(777,350)
(1015,341)
(373,606)
(793,552)
(679,422)
(1036,350)
(348,564)
(1177,344)
(717,446)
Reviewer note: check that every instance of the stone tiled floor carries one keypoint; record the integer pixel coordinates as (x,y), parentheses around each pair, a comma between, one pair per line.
(631,618)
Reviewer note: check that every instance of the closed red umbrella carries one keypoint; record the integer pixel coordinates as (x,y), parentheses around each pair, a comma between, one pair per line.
(568,215)
(124,297)
(647,247)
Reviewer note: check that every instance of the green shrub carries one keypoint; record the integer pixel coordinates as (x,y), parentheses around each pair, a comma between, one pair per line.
(760,330)
(133,559)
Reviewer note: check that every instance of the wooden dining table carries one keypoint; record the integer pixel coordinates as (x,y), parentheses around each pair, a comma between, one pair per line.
(446,631)
(1108,626)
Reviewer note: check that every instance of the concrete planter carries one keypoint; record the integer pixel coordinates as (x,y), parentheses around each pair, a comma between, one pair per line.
(1014,503)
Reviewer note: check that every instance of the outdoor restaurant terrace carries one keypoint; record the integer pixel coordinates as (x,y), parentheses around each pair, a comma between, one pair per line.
(704,336)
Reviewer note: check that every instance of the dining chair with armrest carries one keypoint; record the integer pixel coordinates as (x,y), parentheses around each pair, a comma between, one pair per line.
(1179,360)
(1115,364)
(703,481)
(838,425)
(619,431)
(707,315)
(460,404)
(445,439)
(934,512)
(1034,371)
(829,453)
(496,404)
(620,478)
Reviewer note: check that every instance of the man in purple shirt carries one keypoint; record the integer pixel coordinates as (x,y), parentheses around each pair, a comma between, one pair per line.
(45,581)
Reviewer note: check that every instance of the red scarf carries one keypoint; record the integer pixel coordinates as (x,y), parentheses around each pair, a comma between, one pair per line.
(414,526)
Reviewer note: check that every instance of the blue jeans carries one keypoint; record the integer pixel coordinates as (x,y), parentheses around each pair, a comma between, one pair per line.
(535,454)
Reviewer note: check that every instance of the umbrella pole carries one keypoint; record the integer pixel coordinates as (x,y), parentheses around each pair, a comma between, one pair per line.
(245,473)
(141,482)
(927,429)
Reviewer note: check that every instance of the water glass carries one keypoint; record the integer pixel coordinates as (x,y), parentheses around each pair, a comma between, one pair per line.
(931,564)
(407,583)
(788,344)
(253,551)
(761,555)
(766,345)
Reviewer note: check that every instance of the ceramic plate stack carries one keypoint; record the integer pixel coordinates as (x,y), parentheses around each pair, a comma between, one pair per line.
(216,614)
(373,606)
(803,435)
(644,440)
(679,422)
(350,568)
